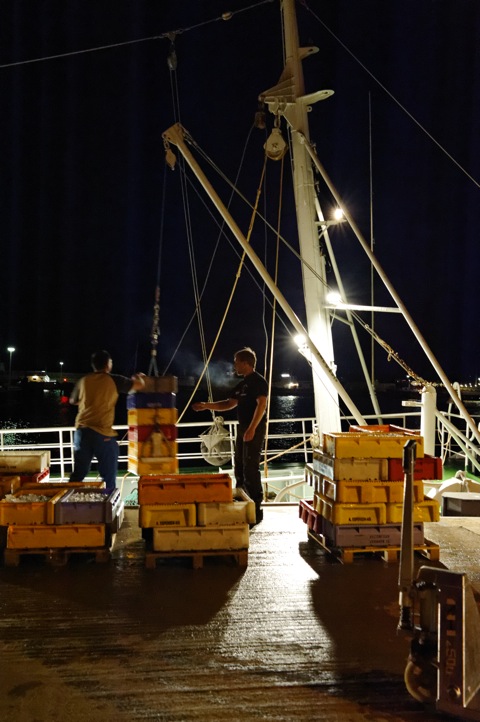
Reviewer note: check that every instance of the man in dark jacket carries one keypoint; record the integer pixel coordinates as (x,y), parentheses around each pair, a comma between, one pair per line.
(250,399)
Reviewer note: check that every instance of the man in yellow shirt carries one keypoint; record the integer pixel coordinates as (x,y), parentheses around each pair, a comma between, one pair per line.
(96,396)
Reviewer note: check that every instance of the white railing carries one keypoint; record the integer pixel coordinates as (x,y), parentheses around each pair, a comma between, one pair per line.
(288,448)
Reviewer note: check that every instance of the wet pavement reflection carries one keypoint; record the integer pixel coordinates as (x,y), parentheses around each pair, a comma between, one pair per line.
(293,636)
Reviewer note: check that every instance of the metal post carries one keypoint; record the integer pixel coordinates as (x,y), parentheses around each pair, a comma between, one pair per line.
(405,579)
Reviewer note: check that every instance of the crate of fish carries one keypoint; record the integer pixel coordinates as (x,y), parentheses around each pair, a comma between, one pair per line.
(52,536)
(350,468)
(30,507)
(88,506)
(372,445)
(219,538)
(185,488)
(24,462)
(167,515)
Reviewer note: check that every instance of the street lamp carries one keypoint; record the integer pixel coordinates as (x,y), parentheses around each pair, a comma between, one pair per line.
(10,350)
(60,363)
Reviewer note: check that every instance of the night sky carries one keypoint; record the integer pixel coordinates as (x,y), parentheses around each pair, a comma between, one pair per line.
(90,219)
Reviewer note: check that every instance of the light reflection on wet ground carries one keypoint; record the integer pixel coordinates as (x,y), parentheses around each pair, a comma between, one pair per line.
(294,636)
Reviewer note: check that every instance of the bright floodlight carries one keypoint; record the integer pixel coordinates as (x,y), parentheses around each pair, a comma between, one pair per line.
(300,340)
(338,214)
(10,349)
(334,298)
(285,376)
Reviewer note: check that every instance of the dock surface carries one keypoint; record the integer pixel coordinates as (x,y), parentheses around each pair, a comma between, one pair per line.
(295,635)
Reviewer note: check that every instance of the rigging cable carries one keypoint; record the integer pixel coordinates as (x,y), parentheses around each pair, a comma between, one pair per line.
(274,307)
(235,283)
(391,96)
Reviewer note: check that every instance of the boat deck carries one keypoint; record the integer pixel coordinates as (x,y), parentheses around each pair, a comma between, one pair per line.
(295,635)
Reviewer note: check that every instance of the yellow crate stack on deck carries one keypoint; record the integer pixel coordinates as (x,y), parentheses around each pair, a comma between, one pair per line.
(38,516)
(193,515)
(152,431)
(358,485)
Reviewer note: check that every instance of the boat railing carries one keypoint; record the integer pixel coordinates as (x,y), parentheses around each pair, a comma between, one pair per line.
(288,447)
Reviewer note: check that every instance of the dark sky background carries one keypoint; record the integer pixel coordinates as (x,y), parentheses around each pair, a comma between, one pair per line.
(86,205)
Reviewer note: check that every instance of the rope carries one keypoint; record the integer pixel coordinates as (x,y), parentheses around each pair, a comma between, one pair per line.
(235,283)
(272,336)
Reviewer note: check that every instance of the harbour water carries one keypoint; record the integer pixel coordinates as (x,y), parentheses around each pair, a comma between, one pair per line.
(32,408)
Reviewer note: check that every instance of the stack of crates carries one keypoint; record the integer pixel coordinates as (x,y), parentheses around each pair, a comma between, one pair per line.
(37,515)
(358,483)
(152,431)
(193,513)
(43,518)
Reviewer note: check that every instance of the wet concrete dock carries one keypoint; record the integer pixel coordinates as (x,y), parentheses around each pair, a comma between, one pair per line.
(293,636)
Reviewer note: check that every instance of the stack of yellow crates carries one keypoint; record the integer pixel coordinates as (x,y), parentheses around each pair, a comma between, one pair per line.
(152,431)
(193,515)
(358,484)
(52,518)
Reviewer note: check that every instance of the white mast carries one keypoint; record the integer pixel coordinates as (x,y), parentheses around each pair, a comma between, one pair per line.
(288,99)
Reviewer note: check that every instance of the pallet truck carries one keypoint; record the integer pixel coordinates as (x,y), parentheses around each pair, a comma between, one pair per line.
(439,609)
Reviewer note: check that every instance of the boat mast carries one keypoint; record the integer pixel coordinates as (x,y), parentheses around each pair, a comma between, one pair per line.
(288,99)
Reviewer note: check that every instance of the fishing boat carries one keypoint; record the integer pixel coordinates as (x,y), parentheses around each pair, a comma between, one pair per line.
(282,117)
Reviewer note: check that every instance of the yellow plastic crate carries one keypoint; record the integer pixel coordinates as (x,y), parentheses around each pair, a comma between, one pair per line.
(30,512)
(426,510)
(225,513)
(375,445)
(358,514)
(139,467)
(149,451)
(352,468)
(211,538)
(27,462)
(9,485)
(184,488)
(147,417)
(153,515)
(67,536)
(368,492)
